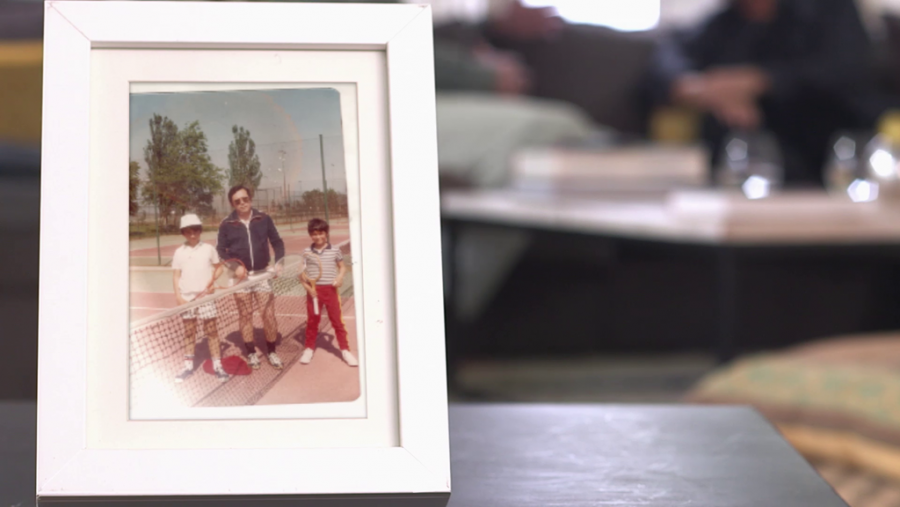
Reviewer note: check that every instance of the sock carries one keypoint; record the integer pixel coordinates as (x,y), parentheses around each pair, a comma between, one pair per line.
(251,349)
(188,362)
(270,346)
(217,364)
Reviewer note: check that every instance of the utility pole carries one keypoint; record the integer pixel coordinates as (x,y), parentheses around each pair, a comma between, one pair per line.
(156,218)
(286,197)
(324,180)
(284,176)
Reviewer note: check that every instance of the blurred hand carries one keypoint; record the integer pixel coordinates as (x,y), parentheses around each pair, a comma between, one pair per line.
(737,83)
(338,281)
(521,23)
(729,93)
(739,115)
(511,75)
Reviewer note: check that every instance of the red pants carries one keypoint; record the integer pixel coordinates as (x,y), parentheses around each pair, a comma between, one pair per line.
(329,300)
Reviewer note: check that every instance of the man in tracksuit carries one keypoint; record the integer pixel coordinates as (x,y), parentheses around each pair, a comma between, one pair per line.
(245,235)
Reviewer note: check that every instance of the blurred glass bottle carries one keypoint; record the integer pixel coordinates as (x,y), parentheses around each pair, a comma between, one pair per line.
(846,169)
(751,162)
(882,174)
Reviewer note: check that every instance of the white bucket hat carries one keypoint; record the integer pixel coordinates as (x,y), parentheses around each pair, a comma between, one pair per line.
(190,220)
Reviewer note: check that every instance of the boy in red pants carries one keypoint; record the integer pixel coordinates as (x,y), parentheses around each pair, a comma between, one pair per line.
(322,279)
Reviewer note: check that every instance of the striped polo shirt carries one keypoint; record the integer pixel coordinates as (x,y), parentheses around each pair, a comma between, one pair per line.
(329,257)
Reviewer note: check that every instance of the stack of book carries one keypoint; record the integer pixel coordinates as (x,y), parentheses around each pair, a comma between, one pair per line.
(614,170)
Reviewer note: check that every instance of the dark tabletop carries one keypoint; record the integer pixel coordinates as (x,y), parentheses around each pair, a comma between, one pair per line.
(589,455)
(573,455)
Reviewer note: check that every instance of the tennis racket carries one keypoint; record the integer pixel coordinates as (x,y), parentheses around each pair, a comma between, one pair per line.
(233,273)
(313,271)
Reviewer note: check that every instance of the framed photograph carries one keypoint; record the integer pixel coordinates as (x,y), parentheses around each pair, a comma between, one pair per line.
(263,285)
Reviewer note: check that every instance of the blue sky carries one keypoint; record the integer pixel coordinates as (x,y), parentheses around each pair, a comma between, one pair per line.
(278,120)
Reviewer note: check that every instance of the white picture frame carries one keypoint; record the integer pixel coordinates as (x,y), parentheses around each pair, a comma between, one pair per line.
(417,469)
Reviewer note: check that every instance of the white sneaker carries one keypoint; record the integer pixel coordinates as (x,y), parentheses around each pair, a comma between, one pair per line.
(253,360)
(275,361)
(307,355)
(181,377)
(349,358)
(220,374)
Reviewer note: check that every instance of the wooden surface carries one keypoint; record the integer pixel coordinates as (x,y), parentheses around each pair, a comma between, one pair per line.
(574,455)
(789,218)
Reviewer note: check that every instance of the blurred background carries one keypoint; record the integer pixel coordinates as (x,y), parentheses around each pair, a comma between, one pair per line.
(676,201)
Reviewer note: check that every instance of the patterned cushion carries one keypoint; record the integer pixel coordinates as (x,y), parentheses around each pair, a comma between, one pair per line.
(837,399)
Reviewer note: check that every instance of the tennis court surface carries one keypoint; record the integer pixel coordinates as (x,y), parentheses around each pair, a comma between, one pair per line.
(157,338)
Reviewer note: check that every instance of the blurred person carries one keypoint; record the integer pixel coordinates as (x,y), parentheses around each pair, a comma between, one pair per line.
(798,68)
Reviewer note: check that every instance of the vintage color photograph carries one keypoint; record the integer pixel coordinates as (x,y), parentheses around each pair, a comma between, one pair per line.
(241,266)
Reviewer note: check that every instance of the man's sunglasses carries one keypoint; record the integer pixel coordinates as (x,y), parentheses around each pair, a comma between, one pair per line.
(241,200)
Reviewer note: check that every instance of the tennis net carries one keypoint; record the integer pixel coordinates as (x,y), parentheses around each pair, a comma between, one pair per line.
(157,343)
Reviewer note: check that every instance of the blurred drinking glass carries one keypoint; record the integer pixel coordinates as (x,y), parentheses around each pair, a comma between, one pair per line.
(845,171)
(752,163)
(882,180)
(882,163)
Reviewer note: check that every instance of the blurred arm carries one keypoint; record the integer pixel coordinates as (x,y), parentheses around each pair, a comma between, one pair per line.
(176,277)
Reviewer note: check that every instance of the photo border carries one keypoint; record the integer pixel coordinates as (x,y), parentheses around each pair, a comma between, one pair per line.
(65,466)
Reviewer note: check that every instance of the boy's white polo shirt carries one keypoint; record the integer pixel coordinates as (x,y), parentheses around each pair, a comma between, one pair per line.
(197,265)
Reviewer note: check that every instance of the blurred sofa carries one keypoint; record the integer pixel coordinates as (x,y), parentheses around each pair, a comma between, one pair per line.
(596,68)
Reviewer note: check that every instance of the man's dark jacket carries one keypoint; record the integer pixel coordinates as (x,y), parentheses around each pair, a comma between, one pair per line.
(235,243)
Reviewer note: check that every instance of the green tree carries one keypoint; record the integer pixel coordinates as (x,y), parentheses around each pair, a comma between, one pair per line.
(201,179)
(180,175)
(161,156)
(134,183)
(313,200)
(243,162)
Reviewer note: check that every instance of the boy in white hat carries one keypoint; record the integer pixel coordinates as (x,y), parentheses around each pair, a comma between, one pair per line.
(196,266)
